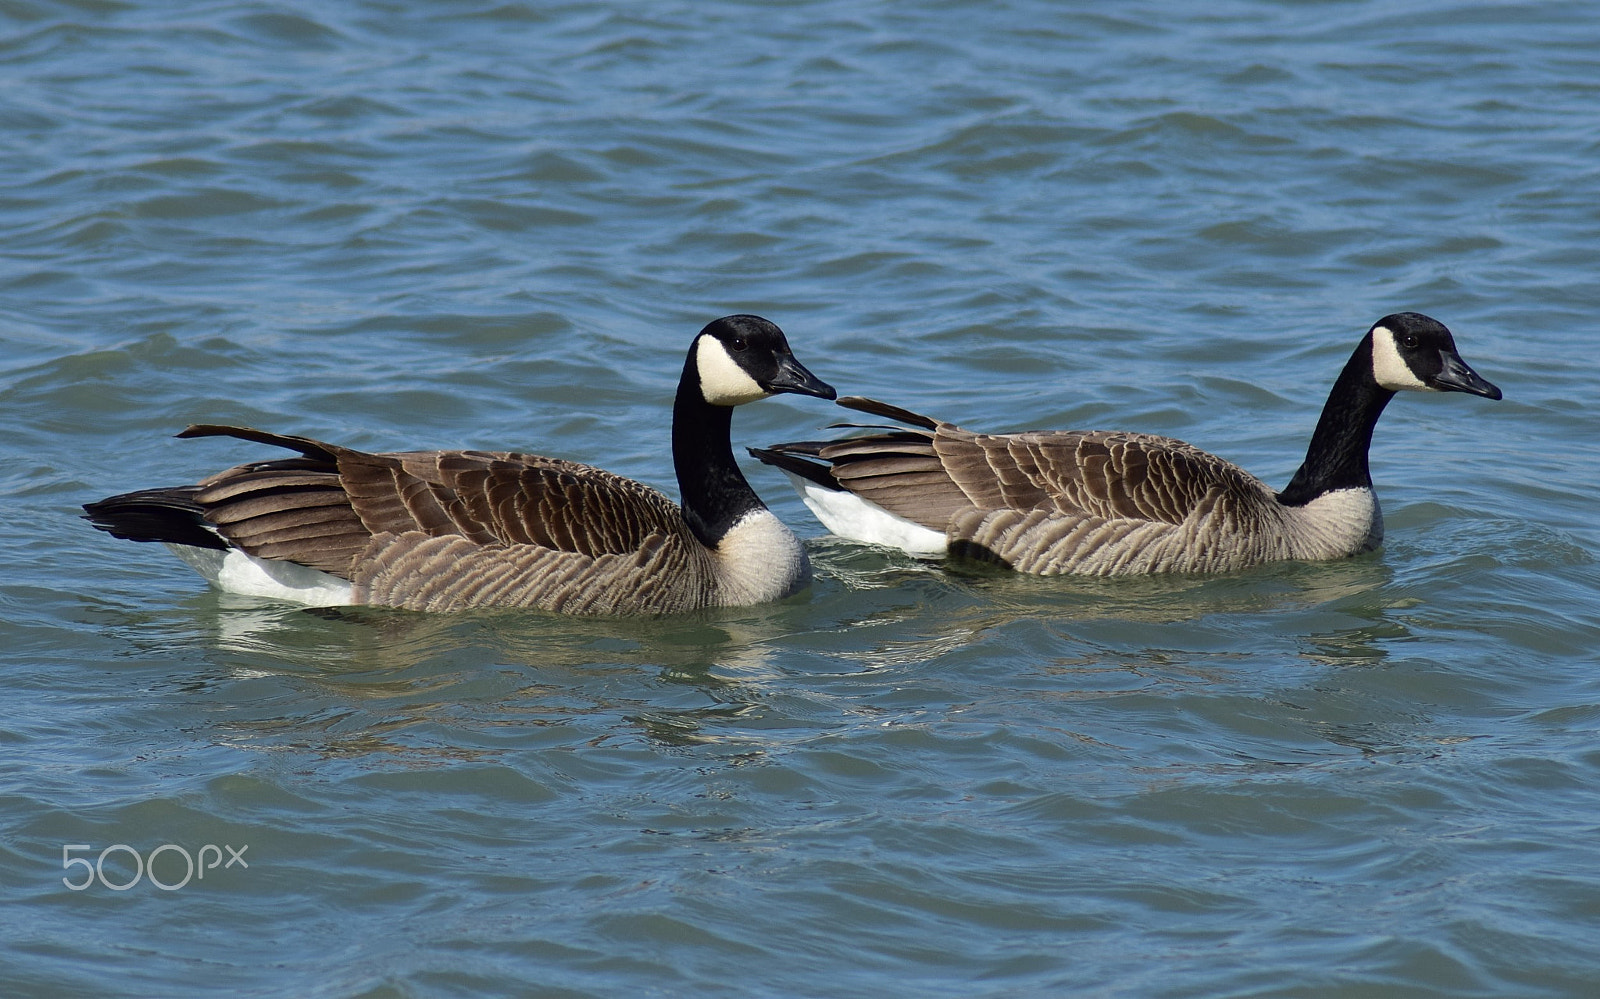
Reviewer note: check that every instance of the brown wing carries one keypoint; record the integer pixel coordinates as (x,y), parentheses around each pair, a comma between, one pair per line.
(936,472)
(1101,474)
(901,472)
(323,508)
(294,509)
(507,498)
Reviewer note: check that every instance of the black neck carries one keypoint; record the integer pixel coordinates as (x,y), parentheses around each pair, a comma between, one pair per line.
(1337,457)
(715,493)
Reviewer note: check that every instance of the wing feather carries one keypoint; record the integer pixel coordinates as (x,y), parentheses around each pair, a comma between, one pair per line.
(1042,501)
(325,507)
(1102,474)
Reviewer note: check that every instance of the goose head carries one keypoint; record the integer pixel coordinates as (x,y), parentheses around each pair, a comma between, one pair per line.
(739,359)
(1411,351)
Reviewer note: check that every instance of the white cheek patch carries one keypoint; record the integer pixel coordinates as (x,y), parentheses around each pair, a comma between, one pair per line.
(1388,367)
(722,381)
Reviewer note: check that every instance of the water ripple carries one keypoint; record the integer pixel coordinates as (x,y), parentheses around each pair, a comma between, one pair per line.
(498,224)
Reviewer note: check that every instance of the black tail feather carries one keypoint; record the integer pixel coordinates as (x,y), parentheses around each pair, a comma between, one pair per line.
(791,458)
(168,515)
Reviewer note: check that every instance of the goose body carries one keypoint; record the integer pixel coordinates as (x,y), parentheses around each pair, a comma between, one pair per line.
(446,530)
(1108,503)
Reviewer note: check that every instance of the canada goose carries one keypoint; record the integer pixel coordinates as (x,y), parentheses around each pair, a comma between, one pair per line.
(444,530)
(1104,503)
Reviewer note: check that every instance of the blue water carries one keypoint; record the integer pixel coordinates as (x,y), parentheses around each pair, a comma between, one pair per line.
(490,224)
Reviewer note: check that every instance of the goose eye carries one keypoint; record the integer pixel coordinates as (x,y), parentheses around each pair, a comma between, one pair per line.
(1409,341)
(737,343)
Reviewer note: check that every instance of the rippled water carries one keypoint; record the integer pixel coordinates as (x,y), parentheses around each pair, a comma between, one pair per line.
(498,225)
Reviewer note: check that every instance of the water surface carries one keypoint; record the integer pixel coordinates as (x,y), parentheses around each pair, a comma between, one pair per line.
(499,224)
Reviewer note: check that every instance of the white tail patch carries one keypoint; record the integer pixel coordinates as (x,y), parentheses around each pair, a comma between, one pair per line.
(722,381)
(847,515)
(1390,369)
(234,571)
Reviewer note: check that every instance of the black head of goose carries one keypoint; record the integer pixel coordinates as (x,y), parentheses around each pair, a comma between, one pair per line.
(1109,503)
(445,530)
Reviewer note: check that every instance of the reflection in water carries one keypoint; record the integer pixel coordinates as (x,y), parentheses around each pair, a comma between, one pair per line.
(948,605)
(691,679)
(1167,599)
(753,679)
